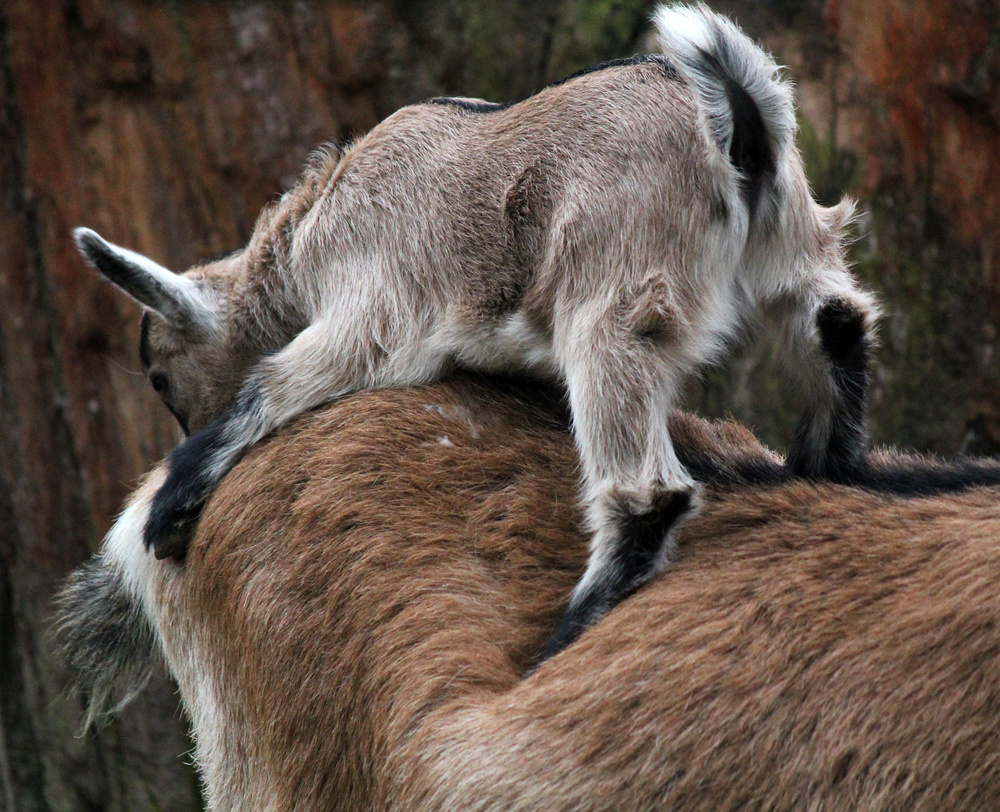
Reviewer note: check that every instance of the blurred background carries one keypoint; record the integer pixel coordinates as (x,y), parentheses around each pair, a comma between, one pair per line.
(166,126)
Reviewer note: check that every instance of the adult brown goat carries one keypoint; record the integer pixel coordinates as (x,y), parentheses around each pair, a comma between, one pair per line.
(352,628)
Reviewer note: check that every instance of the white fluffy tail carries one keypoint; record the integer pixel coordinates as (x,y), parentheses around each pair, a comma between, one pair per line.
(748,106)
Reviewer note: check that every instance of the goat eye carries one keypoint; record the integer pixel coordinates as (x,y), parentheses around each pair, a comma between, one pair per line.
(160,383)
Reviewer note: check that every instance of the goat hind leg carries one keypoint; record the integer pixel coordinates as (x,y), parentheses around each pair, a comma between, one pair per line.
(832,353)
(621,390)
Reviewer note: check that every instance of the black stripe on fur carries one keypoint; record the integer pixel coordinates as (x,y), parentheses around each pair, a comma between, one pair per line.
(481,106)
(889,473)
(145,353)
(625,62)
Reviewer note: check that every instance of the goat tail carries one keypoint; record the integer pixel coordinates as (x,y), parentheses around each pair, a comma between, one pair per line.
(105,639)
(747,105)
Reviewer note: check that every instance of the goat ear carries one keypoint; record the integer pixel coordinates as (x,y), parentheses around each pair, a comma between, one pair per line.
(178,299)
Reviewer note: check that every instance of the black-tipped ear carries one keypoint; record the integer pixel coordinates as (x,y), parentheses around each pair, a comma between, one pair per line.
(176,298)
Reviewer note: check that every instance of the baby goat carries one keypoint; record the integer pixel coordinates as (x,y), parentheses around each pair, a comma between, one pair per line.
(614,232)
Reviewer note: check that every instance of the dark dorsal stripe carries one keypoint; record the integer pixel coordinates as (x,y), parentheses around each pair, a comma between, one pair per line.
(639,59)
(907,477)
(480,106)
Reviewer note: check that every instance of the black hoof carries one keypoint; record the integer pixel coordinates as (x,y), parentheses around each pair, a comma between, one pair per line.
(641,537)
(174,542)
(837,453)
(573,623)
(170,527)
(189,483)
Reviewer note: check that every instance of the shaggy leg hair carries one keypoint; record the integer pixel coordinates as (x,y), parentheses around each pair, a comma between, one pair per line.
(846,344)
(322,363)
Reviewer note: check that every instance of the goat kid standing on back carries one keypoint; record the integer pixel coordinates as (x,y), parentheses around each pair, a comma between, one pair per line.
(615,232)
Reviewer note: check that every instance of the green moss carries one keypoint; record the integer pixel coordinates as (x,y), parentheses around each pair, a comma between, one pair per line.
(832,170)
(508,49)
(932,359)
(752,388)
(586,33)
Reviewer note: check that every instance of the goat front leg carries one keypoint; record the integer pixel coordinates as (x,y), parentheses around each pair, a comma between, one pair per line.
(321,363)
(621,389)
(829,345)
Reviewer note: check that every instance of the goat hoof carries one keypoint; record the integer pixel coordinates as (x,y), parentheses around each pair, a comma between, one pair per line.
(168,529)
(173,544)
(573,623)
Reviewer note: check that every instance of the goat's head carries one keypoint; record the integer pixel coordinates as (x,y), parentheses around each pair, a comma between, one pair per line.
(185,348)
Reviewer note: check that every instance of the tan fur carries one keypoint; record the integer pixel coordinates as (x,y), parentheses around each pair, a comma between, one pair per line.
(367,590)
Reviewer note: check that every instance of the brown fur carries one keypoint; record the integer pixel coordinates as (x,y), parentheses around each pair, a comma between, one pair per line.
(367,590)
